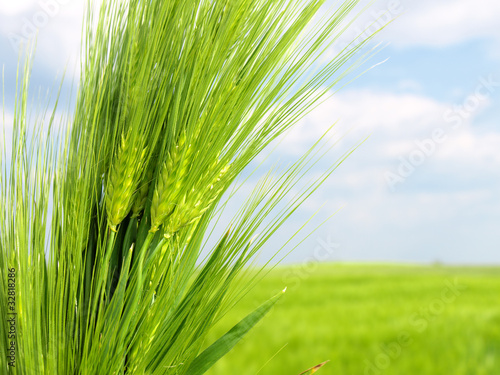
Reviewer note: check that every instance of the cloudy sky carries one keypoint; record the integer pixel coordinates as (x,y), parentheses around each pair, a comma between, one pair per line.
(424,187)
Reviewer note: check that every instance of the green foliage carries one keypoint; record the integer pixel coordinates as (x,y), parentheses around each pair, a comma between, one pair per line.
(105,223)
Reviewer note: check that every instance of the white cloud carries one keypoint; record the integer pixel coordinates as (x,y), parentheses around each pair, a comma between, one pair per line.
(364,112)
(55,25)
(395,124)
(10,8)
(433,23)
(443,22)
(468,149)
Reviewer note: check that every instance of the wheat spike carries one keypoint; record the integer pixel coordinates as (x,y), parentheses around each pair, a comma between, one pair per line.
(169,184)
(193,205)
(122,182)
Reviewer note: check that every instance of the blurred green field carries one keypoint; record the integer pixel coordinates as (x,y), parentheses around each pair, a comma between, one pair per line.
(372,319)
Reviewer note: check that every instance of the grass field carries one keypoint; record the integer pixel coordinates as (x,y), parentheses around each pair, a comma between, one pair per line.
(372,319)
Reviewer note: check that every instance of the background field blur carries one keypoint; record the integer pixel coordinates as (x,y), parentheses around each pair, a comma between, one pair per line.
(372,319)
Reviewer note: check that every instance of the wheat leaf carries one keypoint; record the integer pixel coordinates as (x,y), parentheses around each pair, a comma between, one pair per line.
(224,344)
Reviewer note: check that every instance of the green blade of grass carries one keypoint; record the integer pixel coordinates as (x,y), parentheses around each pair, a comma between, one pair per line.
(223,345)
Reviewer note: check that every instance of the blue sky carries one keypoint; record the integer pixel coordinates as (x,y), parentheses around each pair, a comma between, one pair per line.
(425,186)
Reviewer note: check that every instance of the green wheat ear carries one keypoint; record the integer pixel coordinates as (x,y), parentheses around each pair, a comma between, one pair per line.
(123,181)
(194,204)
(170,183)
